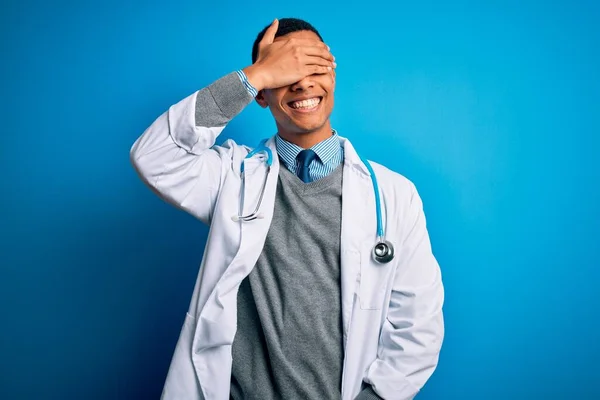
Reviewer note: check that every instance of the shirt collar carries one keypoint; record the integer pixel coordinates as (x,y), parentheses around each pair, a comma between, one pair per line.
(326,150)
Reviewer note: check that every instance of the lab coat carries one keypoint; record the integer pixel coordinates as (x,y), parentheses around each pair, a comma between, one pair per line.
(391,313)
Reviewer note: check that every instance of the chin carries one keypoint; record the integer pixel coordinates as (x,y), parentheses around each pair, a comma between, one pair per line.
(307,125)
(306,128)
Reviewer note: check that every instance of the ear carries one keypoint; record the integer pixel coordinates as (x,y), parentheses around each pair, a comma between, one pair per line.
(260,99)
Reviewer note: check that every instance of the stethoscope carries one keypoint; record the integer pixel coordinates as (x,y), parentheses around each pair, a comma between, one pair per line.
(383,251)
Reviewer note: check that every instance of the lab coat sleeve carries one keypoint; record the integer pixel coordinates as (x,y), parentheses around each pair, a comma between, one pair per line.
(176,156)
(413,330)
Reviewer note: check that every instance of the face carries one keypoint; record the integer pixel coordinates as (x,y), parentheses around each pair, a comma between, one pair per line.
(315,92)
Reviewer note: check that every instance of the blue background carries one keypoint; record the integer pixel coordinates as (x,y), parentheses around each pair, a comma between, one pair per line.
(491,109)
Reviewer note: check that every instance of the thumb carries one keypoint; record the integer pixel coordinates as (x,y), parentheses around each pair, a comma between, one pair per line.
(270,33)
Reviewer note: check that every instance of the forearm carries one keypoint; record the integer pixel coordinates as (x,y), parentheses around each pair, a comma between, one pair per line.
(221,101)
(194,123)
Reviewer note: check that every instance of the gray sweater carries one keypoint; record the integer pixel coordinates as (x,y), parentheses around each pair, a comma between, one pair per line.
(289,339)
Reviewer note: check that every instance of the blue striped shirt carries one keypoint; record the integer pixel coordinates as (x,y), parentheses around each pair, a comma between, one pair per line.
(330,154)
(251,89)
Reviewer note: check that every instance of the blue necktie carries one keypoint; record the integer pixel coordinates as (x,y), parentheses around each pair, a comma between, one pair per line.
(305,157)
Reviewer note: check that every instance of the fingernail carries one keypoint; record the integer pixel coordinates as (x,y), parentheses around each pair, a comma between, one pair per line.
(328,49)
(334,65)
(328,68)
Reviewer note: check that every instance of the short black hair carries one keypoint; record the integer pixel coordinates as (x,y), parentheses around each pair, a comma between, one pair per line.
(286,25)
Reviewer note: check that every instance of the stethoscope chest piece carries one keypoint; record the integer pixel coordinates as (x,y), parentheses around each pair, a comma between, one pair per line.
(383,252)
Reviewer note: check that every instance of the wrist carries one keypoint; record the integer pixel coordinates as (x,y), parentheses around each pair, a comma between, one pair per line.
(255,77)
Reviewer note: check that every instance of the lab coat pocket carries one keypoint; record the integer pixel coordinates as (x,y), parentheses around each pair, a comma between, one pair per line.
(373,277)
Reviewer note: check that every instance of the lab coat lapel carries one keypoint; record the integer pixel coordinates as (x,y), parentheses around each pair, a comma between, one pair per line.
(217,323)
(357,206)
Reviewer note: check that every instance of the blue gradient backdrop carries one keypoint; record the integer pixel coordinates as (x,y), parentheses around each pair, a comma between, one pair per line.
(492,110)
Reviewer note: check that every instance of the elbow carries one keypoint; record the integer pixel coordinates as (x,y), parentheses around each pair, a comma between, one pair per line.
(143,170)
(134,158)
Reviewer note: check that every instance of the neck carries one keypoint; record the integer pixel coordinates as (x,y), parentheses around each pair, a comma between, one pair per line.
(307,140)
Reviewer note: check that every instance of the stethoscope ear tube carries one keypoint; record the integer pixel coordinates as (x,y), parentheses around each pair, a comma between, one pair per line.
(254,214)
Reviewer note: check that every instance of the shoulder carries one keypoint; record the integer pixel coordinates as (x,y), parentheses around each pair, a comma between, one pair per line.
(232,149)
(393,182)
(399,195)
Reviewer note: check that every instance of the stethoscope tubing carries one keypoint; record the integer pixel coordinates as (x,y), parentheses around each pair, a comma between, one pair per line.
(383,251)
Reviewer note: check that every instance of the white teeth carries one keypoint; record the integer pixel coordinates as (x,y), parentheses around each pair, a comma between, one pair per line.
(309,103)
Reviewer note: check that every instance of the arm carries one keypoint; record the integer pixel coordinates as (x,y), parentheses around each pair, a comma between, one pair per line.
(176,156)
(412,333)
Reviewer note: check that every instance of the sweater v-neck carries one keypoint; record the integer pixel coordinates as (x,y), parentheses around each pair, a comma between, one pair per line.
(303,188)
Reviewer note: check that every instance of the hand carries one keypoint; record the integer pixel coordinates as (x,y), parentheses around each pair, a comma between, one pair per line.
(288,61)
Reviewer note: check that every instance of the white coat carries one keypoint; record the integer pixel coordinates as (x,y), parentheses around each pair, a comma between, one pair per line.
(392,313)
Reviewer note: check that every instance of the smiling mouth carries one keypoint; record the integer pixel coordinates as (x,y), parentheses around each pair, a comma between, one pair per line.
(305,105)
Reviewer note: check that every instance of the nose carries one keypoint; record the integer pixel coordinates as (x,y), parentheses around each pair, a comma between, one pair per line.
(303,84)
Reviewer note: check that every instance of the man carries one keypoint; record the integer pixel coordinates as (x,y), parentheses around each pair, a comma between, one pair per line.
(291,305)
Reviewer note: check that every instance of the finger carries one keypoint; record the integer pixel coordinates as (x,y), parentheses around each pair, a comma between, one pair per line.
(317,69)
(313,60)
(319,52)
(311,42)
(270,33)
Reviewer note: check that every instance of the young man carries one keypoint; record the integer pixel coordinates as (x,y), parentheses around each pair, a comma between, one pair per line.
(292,304)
